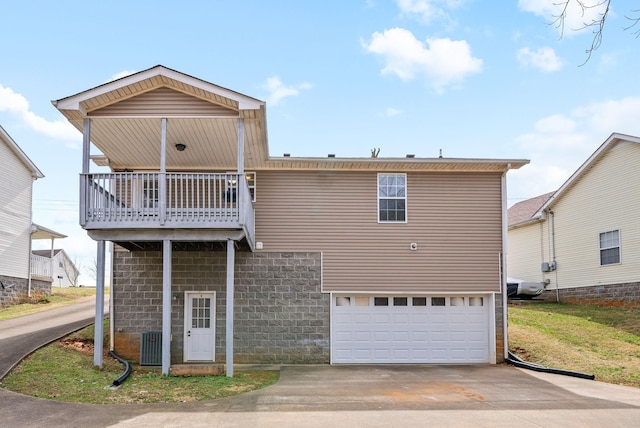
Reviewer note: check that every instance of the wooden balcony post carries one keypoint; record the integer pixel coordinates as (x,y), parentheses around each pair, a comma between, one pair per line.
(229,325)
(99,320)
(86,153)
(162,179)
(166,306)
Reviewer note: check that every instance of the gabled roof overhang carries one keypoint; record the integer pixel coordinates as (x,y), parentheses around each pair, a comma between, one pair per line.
(13,146)
(584,169)
(126,121)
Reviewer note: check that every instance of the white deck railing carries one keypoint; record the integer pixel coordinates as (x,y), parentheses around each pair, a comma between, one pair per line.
(178,200)
(41,266)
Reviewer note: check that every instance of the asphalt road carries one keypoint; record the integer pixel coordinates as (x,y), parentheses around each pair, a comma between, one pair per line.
(21,336)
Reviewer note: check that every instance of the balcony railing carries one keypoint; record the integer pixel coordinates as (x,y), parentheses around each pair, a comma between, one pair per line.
(166,200)
(41,267)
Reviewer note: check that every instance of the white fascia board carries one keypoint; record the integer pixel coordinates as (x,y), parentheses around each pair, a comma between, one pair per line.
(73,102)
(604,147)
(15,148)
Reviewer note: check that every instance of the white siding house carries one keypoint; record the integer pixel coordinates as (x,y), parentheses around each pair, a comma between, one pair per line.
(17,174)
(64,272)
(16,183)
(583,240)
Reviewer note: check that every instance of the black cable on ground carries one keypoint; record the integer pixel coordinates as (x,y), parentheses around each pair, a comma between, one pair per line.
(127,369)
(519,362)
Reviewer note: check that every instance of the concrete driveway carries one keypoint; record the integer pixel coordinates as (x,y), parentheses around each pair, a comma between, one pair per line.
(372,396)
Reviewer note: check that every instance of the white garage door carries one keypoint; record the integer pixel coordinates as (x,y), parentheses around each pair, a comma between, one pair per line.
(410,329)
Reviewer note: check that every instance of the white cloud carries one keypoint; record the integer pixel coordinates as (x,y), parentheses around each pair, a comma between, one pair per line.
(544,59)
(428,10)
(560,143)
(278,90)
(120,75)
(390,112)
(576,18)
(17,105)
(443,62)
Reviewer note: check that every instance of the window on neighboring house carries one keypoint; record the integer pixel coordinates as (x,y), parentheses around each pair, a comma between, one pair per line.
(60,263)
(610,248)
(392,198)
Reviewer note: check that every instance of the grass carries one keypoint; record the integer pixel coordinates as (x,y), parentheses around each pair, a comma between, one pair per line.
(64,371)
(604,341)
(39,302)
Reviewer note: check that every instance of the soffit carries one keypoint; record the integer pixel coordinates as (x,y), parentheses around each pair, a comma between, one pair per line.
(396,164)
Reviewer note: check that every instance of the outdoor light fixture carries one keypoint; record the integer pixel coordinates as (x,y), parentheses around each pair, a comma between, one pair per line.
(180,147)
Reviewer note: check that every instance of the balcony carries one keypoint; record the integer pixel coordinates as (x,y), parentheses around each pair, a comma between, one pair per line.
(171,200)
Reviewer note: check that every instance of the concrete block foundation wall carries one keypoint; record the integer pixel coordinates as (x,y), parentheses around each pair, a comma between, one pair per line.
(624,295)
(280,314)
(17,289)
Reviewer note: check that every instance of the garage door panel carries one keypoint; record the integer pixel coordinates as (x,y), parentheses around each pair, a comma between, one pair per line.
(456,332)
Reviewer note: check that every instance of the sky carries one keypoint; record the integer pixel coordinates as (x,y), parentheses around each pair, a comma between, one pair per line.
(469,78)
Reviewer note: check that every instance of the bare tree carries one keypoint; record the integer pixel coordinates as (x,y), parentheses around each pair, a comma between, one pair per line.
(597,23)
(72,274)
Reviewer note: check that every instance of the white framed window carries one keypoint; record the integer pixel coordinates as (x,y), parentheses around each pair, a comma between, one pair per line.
(610,248)
(392,198)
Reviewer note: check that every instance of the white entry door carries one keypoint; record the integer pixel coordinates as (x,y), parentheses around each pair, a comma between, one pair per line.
(199,326)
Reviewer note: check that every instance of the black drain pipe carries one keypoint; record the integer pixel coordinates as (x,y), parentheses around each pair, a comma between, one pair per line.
(519,362)
(127,369)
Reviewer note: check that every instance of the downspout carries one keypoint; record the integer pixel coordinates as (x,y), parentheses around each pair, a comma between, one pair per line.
(553,253)
(30,253)
(503,278)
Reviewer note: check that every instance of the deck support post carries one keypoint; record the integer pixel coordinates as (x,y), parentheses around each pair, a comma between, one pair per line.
(230,280)
(98,335)
(166,306)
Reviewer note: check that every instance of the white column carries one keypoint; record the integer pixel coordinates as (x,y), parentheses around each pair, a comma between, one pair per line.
(162,180)
(99,320)
(86,153)
(240,146)
(166,306)
(230,279)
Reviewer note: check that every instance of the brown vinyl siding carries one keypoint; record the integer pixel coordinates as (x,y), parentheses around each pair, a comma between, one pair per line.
(164,102)
(455,218)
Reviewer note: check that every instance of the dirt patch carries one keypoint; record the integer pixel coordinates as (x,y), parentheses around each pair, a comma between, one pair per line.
(83,346)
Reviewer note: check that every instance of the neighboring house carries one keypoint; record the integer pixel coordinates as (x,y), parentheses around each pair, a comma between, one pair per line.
(65,273)
(583,241)
(224,253)
(17,174)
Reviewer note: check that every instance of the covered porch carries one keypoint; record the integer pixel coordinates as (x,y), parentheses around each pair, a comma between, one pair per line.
(170,154)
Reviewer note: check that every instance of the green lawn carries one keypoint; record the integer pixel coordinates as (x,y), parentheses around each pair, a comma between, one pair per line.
(604,341)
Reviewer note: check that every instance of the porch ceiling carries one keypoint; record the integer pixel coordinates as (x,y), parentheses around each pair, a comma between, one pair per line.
(211,143)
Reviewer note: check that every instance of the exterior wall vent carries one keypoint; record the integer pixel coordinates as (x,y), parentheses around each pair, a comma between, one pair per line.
(151,348)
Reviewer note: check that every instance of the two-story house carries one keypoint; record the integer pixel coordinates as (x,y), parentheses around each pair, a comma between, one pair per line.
(20,273)
(583,240)
(231,254)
